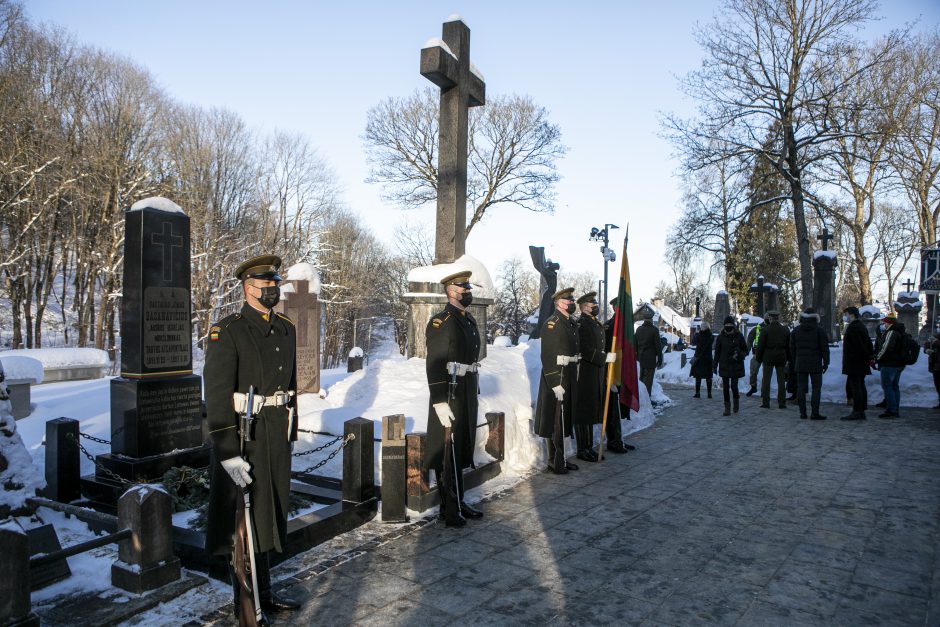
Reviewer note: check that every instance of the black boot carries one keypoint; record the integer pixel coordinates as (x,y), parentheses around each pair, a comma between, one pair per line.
(616,446)
(552,467)
(450,505)
(270,600)
(727,409)
(734,404)
(752,391)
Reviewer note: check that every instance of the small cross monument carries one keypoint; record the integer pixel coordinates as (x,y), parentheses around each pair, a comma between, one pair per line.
(302,305)
(825,237)
(446,63)
(824,286)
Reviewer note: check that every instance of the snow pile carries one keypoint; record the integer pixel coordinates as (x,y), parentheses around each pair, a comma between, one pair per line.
(503,340)
(917,389)
(910,295)
(871,310)
(454,17)
(480,276)
(355,351)
(53,358)
(19,478)
(20,367)
(829,254)
(159,203)
(302,272)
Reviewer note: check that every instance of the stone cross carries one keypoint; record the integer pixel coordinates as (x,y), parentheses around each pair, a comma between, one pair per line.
(909,285)
(448,67)
(825,236)
(303,308)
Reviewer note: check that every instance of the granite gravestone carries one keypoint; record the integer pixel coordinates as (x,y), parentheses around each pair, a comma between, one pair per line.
(156,420)
(930,287)
(907,306)
(824,286)
(722,309)
(302,306)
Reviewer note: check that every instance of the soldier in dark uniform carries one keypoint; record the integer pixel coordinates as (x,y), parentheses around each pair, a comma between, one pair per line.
(255,347)
(615,443)
(592,376)
(453,343)
(559,382)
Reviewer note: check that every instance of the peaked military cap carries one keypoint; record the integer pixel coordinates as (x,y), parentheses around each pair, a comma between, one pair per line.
(565,293)
(590,297)
(772,314)
(460,279)
(613,302)
(262,267)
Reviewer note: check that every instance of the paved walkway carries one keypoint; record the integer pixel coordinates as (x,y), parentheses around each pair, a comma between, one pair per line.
(754,519)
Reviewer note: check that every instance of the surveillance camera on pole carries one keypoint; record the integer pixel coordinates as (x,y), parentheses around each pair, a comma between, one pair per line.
(598,235)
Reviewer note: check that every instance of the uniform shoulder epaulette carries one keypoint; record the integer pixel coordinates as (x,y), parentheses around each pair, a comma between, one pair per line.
(552,320)
(440,319)
(216,328)
(283,317)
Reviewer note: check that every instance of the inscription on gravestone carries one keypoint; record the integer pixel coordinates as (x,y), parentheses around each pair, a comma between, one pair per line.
(167,327)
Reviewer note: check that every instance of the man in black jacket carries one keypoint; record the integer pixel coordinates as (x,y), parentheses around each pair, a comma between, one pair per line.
(856,357)
(773,354)
(809,350)
(889,355)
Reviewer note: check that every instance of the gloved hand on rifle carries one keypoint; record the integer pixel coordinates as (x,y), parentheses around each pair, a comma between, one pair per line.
(611,358)
(559,392)
(237,468)
(444,414)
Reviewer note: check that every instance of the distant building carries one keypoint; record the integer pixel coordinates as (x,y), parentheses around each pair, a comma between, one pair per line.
(669,321)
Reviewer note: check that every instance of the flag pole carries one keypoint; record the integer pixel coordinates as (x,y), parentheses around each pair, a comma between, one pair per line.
(610,367)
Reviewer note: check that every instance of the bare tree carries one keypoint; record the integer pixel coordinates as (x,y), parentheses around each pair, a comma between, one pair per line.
(516,299)
(513,152)
(765,61)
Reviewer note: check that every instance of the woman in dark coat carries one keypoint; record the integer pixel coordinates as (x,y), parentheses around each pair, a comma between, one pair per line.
(702,360)
(730,351)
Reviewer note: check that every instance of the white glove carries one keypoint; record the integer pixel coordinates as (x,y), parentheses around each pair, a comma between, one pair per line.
(611,358)
(444,414)
(559,392)
(237,468)
(614,388)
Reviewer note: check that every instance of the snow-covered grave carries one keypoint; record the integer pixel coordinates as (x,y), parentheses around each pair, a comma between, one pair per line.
(20,373)
(917,389)
(65,364)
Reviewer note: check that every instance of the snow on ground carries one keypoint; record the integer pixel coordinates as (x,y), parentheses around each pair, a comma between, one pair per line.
(917,389)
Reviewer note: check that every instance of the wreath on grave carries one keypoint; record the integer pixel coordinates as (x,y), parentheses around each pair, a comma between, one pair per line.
(189,487)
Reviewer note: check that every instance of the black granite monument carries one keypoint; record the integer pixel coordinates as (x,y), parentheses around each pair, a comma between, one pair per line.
(156,418)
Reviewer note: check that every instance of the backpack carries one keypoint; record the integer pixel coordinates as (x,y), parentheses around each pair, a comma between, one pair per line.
(910,351)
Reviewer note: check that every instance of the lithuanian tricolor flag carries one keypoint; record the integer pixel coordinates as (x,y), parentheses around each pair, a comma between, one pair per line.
(624,369)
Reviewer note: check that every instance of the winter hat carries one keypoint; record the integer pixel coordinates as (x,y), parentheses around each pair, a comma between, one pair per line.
(730,320)
(890,318)
(851,310)
(809,314)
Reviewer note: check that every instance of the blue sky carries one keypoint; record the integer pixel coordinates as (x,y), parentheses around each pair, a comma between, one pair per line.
(604,70)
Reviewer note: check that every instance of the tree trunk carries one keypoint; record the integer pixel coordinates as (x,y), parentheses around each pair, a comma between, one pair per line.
(861,267)
(799,218)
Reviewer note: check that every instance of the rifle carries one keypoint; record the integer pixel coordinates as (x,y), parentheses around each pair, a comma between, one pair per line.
(249,602)
(450,467)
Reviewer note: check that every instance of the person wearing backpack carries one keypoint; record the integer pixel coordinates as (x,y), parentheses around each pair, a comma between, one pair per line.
(890,360)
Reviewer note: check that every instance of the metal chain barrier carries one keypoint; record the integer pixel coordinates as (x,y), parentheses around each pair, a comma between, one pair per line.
(93,438)
(320,448)
(349,438)
(105,471)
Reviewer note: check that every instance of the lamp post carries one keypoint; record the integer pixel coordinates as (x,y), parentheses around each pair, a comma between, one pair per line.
(603,235)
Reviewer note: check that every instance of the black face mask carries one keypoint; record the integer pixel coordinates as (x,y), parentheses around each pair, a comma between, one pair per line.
(594,310)
(270,296)
(570,308)
(465,299)
(729,328)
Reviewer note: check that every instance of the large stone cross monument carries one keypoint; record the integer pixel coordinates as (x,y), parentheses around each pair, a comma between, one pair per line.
(447,64)
(824,286)
(302,305)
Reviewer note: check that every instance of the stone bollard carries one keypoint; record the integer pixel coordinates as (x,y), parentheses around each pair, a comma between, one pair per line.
(683,359)
(394,469)
(419,477)
(15,606)
(63,460)
(496,440)
(354,361)
(19,391)
(358,461)
(145,560)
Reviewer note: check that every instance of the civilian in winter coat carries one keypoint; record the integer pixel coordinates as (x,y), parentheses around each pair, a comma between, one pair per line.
(649,352)
(730,350)
(702,360)
(933,363)
(753,341)
(890,359)
(809,349)
(856,355)
(773,354)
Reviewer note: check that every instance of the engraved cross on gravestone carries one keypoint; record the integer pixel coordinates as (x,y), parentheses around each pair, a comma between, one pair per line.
(167,241)
(448,67)
(303,308)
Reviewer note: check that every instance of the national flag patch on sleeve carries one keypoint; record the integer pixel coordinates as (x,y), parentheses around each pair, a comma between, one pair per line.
(214,333)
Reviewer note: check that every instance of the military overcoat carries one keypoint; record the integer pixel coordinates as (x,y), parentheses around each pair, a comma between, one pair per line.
(452,336)
(559,337)
(244,350)
(592,375)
